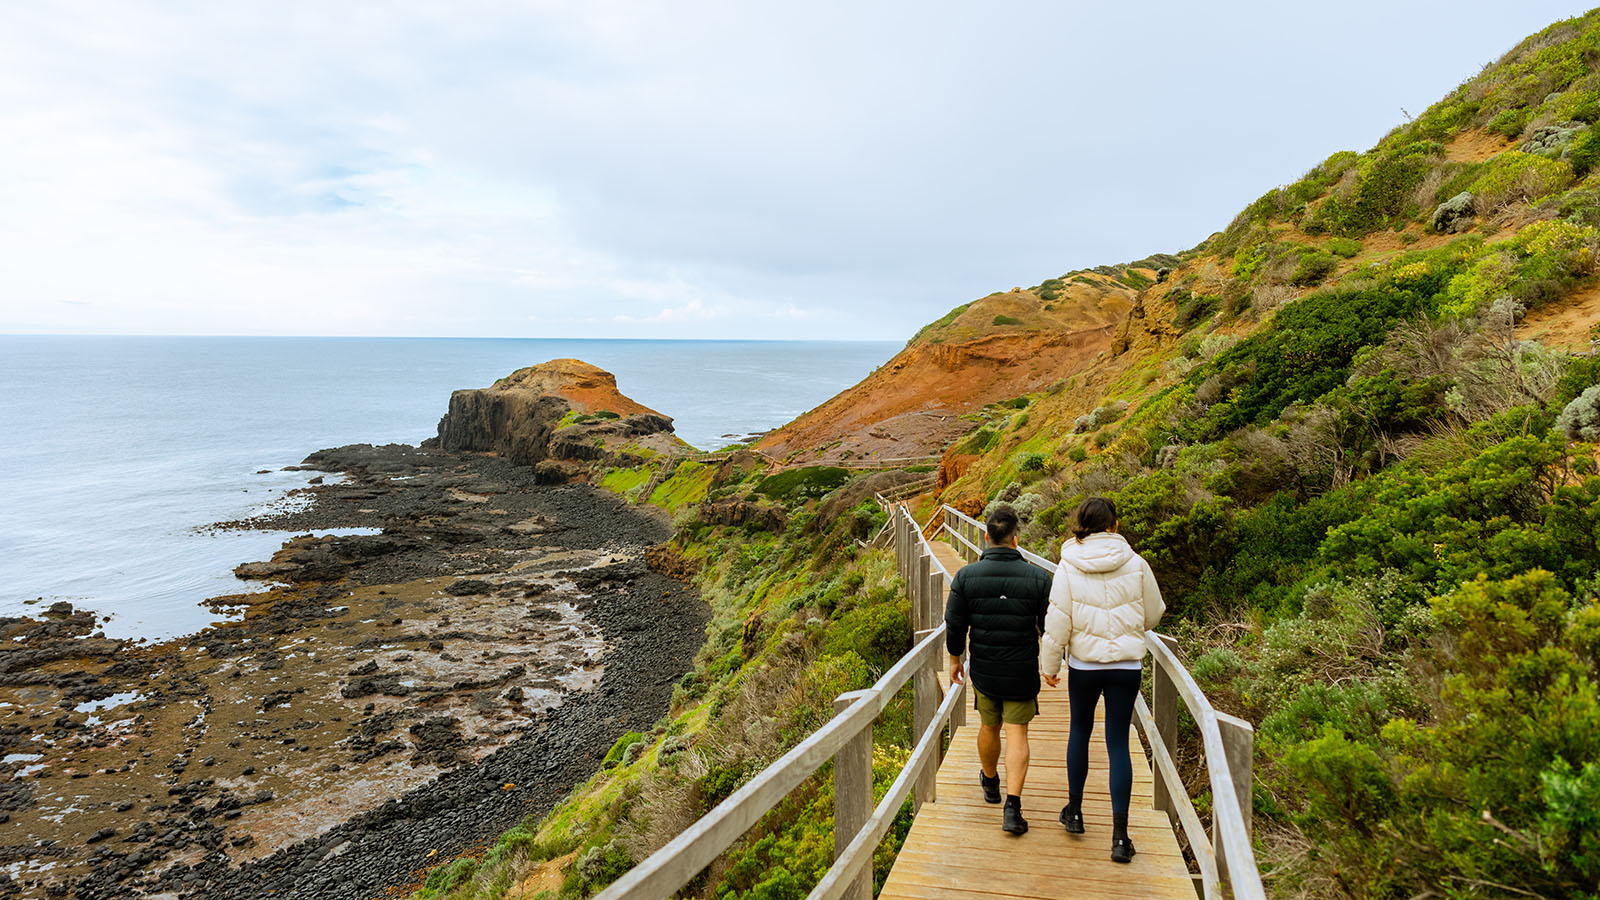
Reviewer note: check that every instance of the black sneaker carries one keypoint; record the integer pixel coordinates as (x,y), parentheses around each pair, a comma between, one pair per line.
(991,787)
(1013,822)
(1072,821)
(1121,850)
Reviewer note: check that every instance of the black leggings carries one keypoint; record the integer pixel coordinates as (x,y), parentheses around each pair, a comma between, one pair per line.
(1084,687)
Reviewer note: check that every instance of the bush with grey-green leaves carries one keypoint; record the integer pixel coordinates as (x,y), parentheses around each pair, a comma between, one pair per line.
(1580,419)
(1102,415)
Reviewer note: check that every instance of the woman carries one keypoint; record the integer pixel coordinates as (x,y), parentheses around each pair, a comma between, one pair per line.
(1102,601)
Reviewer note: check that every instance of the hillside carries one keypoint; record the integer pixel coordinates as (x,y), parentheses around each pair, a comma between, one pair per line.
(983,352)
(1350,435)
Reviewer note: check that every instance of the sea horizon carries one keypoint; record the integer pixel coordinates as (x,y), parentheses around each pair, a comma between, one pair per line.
(406,337)
(120,450)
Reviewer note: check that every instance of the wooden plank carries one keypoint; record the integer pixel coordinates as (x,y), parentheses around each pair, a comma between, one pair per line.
(1030,868)
(1081,860)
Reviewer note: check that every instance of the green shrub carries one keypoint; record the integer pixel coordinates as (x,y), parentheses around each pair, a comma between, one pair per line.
(1382,196)
(979,440)
(1497,514)
(1543,261)
(1314,265)
(878,634)
(1515,176)
(1344,247)
(1077,453)
(1509,123)
(1033,462)
(804,483)
(1302,354)
(1516,738)
(1190,308)
(1585,152)
(1007,320)
(620,748)
(1583,106)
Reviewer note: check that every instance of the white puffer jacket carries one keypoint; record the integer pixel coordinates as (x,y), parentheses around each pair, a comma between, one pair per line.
(1103,599)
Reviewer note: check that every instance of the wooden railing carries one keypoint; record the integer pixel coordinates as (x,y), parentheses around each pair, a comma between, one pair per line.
(888,499)
(859,825)
(1225,856)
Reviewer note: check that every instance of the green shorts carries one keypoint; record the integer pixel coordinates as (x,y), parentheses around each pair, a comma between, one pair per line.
(1013,712)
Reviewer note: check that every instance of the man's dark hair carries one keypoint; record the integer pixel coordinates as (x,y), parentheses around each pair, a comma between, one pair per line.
(1094,515)
(1002,524)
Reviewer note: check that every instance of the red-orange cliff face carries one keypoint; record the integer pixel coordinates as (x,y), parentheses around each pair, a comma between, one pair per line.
(992,349)
(588,388)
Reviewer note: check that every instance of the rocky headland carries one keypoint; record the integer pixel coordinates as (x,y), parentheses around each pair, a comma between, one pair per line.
(397,694)
(563,418)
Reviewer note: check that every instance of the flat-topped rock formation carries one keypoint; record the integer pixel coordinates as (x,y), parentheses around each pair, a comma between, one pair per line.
(563,417)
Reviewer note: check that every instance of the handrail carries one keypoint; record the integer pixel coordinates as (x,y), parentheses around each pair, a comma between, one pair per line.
(1193,829)
(858,854)
(1228,762)
(672,866)
(1227,810)
(846,736)
(951,512)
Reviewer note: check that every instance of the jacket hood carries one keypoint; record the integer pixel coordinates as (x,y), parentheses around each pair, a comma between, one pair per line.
(1099,552)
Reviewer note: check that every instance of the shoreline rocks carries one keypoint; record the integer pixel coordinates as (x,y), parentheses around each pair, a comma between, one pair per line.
(368,709)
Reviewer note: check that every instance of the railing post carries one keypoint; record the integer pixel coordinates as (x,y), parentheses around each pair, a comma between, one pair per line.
(852,794)
(958,716)
(924,705)
(1164,709)
(900,544)
(1238,745)
(919,591)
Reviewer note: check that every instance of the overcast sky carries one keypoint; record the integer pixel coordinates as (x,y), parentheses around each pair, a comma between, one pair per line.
(660,169)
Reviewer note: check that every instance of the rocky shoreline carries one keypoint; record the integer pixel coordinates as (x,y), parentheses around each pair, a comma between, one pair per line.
(400,697)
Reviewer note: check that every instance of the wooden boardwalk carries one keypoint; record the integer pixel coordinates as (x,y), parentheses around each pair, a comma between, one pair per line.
(956,849)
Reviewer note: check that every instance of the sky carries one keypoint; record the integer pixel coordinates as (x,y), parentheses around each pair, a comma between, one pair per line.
(817,170)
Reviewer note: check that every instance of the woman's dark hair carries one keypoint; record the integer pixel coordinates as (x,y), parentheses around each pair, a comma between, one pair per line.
(1094,514)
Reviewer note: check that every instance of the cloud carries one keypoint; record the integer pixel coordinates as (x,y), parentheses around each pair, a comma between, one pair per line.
(692,311)
(697,169)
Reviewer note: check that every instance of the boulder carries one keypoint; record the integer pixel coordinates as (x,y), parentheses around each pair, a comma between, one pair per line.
(743,512)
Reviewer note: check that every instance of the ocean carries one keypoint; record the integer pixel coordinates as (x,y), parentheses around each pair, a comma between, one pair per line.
(117,452)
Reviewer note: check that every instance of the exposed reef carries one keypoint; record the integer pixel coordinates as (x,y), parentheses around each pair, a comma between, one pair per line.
(390,696)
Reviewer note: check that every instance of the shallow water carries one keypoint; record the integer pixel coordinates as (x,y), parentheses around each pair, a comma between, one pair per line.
(116,452)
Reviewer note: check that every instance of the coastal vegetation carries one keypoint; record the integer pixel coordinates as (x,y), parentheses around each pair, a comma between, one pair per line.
(1358,445)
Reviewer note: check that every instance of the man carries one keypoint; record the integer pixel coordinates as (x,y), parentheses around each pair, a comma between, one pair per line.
(996,607)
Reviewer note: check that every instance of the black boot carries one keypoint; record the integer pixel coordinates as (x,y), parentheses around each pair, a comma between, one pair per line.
(991,786)
(1121,847)
(1014,822)
(1072,818)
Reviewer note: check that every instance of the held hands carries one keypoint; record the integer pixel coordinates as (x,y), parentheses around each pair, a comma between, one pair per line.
(1052,680)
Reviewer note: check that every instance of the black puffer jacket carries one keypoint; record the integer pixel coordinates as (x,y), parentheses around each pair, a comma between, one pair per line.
(1001,600)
